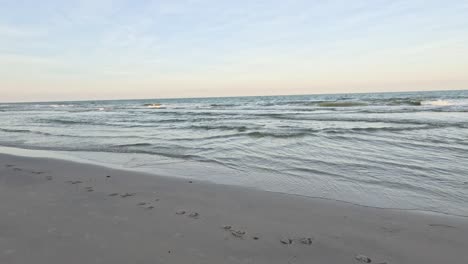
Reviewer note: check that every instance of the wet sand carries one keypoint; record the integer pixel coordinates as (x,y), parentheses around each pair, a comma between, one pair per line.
(55,211)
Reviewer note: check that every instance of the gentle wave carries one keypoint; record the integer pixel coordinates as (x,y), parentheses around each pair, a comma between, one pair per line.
(135,145)
(24,131)
(399,101)
(65,122)
(217,127)
(342,104)
(223,105)
(258,134)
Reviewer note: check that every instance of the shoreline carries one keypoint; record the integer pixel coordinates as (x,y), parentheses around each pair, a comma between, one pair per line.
(58,155)
(59,211)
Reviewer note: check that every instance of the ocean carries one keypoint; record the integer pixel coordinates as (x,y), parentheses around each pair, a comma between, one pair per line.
(391,150)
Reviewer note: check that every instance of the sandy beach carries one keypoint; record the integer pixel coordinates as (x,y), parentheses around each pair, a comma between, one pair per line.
(237,132)
(56,211)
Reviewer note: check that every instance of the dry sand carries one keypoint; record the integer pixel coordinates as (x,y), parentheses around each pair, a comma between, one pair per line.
(55,211)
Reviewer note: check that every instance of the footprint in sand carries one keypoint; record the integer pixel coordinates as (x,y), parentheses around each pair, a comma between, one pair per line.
(17,169)
(113,194)
(302,240)
(9,165)
(127,195)
(363,259)
(235,233)
(145,205)
(194,215)
(49,178)
(89,189)
(306,241)
(238,233)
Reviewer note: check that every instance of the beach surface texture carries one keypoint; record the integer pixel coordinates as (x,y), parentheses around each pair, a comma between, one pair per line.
(55,211)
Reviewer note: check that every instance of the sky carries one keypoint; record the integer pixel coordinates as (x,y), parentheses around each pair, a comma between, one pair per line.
(116,49)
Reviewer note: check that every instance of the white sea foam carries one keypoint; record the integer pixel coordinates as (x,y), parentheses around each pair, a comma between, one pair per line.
(58,105)
(441,102)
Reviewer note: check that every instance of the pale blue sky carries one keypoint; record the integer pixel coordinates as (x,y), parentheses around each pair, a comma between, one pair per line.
(67,50)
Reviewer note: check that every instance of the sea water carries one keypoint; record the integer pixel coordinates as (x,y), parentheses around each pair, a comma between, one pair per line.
(393,150)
